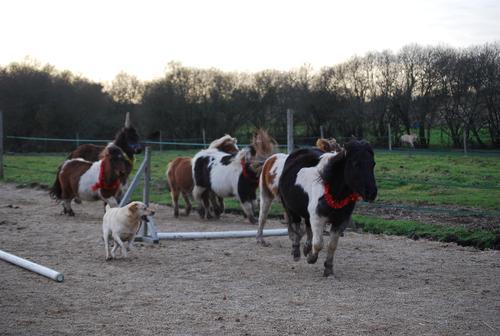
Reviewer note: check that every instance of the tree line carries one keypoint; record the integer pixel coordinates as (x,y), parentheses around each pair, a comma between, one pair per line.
(418,89)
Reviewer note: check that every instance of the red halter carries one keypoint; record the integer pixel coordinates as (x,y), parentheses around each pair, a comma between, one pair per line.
(338,204)
(101,183)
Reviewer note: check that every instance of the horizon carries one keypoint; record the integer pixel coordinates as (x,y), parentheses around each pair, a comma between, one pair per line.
(100,40)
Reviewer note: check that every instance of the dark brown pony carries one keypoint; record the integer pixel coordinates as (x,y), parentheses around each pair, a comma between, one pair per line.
(127,139)
(180,176)
(78,179)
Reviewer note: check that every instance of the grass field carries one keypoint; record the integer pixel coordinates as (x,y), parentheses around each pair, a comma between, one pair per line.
(454,180)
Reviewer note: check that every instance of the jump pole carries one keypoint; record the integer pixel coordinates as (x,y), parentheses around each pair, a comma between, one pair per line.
(219,234)
(31,266)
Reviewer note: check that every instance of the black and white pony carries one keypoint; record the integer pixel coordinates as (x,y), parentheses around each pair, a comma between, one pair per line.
(226,175)
(323,188)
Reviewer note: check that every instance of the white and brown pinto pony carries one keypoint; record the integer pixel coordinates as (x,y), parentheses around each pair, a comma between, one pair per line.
(231,175)
(324,188)
(180,176)
(78,179)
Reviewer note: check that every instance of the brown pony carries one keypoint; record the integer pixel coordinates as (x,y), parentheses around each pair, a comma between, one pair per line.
(126,138)
(328,145)
(180,177)
(78,179)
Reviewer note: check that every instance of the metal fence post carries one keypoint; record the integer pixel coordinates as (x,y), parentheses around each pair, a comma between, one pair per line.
(389,136)
(147,176)
(289,130)
(465,140)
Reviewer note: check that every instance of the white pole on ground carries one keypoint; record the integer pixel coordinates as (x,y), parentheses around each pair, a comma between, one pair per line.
(289,130)
(1,145)
(31,266)
(220,234)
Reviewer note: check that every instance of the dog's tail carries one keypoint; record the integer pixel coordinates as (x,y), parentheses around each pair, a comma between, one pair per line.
(55,191)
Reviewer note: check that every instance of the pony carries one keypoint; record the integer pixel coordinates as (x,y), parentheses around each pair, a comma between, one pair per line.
(231,175)
(126,138)
(180,178)
(328,145)
(269,181)
(324,188)
(79,179)
(408,139)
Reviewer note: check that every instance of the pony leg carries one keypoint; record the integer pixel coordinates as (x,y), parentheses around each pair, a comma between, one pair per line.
(332,247)
(308,244)
(221,204)
(265,204)
(295,236)
(185,195)
(175,201)
(198,195)
(317,227)
(67,207)
(248,210)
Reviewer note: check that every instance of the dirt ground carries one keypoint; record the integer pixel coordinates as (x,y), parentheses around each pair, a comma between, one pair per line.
(383,285)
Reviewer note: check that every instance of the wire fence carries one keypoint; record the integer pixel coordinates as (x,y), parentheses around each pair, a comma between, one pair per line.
(47,171)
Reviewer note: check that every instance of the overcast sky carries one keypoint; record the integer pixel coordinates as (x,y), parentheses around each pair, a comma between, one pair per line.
(100,38)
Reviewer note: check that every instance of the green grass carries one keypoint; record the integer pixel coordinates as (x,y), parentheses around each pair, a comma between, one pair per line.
(439,179)
(414,229)
(455,180)
(423,179)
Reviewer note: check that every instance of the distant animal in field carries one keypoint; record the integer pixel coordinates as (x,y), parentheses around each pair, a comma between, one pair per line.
(78,179)
(231,175)
(127,139)
(323,188)
(180,176)
(121,225)
(408,139)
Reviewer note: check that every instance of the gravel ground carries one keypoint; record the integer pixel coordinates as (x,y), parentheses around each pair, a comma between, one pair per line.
(383,285)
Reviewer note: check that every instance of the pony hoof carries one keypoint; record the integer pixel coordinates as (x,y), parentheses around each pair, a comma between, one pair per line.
(176,214)
(307,249)
(201,212)
(263,243)
(252,220)
(327,272)
(312,258)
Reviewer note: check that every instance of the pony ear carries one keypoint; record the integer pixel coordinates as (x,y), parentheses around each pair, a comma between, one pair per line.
(253,151)
(323,145)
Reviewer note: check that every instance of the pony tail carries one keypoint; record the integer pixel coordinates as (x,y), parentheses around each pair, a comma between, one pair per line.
(56,191)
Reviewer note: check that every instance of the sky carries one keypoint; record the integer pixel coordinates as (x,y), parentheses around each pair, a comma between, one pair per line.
(100,38)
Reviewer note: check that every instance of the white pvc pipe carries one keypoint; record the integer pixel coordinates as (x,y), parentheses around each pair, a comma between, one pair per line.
(220,234)
(31,266)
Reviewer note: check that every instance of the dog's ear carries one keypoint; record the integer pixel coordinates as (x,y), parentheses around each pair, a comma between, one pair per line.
(133,207)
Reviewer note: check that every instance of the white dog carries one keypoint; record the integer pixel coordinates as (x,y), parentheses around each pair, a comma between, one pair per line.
(122,224)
